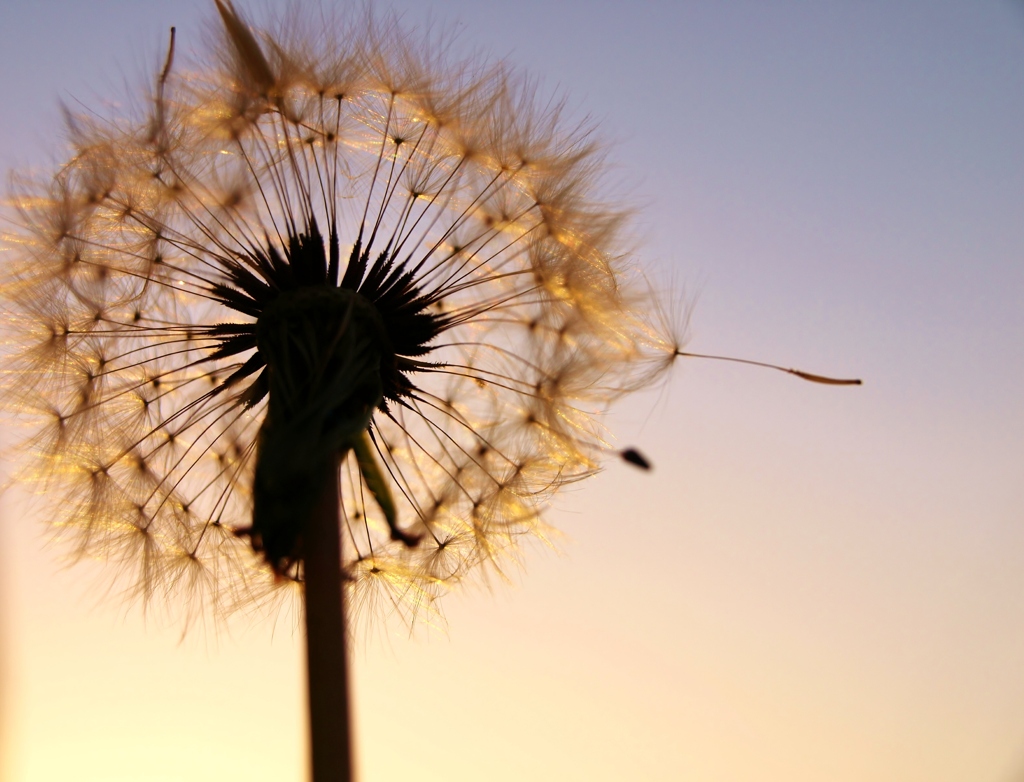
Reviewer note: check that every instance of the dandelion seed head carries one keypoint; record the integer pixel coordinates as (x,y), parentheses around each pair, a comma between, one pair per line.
(307,245)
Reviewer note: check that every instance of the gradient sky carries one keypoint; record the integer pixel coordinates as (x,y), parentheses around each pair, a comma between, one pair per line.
(814,583)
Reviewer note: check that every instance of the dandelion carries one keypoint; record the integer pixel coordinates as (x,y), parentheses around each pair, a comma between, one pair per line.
(327,309)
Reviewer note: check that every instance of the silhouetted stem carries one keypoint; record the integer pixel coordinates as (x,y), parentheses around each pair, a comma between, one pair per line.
(326,657)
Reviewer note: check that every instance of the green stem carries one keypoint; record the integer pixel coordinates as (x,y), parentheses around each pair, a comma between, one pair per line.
(326,649)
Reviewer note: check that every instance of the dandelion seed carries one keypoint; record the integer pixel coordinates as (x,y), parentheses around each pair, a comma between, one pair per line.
(634,457)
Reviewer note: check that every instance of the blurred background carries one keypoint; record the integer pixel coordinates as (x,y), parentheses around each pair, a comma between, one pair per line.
(813,584)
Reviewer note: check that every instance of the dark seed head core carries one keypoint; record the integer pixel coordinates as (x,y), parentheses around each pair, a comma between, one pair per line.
(323,349)
(331,343)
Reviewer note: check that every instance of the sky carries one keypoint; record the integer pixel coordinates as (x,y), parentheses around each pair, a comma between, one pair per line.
(813,583)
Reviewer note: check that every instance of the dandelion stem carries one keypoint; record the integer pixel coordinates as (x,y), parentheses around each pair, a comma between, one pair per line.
(326,653)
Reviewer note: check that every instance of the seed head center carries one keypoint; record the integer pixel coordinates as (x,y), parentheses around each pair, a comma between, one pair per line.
(323,347)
